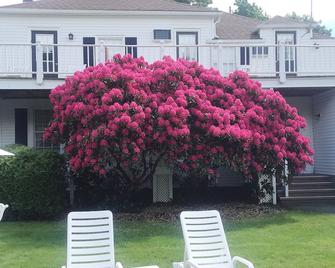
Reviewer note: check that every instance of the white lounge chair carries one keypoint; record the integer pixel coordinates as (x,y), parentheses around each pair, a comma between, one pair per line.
(205,242)
(90,240)
(2,210)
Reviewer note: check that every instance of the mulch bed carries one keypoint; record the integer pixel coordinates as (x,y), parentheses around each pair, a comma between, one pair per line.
(232,211)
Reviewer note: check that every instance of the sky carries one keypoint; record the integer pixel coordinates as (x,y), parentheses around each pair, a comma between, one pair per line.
(322,9)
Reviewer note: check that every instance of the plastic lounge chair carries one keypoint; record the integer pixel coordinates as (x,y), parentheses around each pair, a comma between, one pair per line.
(2,210)
(205,242)
(90,240)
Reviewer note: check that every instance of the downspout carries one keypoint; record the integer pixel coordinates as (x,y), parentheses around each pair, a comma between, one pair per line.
(216,21)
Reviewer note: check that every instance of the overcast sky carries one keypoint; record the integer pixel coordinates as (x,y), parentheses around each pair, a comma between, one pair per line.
(322,9)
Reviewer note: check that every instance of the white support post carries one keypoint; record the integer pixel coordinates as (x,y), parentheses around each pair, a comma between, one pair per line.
(102,52)
(161,51)
(282,71)
(274,190)
(220,59)
(39,63)
(286,176)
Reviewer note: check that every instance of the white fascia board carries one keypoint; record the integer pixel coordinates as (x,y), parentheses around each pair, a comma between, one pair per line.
(31,11)
(286,26)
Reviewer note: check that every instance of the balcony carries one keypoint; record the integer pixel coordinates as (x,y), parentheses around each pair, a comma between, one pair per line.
(45,64)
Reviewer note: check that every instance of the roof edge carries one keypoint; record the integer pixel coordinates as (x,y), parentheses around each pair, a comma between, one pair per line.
(35,11)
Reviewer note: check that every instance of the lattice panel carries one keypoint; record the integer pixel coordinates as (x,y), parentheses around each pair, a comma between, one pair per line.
(265,190)
(162,185)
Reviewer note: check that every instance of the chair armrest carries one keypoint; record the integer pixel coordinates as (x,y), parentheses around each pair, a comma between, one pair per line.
(118,265)
(247,263)
(191,263)
(63,266)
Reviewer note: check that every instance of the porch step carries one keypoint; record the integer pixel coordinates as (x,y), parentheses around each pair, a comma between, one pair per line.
(310,185)
(312,192)
(312,178)
(309,190)
(295,201)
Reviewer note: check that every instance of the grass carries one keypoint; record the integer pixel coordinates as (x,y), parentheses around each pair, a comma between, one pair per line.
(291,239)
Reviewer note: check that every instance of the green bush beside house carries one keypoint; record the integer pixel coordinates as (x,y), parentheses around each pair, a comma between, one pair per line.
(32,183)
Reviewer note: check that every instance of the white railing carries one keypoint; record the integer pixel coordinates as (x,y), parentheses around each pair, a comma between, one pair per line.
(56,61)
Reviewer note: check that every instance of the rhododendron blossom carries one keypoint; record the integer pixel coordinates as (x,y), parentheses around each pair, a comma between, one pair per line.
(127,115)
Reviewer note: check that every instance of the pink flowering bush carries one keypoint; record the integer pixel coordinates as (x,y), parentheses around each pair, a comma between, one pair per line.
(127,115)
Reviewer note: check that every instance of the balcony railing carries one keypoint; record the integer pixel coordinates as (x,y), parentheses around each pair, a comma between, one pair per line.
(56,61)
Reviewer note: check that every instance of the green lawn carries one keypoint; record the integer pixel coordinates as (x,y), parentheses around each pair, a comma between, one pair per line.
(291,239)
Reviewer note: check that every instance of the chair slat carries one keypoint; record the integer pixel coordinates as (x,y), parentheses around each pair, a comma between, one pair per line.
(90,229)
(205,247)
(91,222)
(91,265)
(91,258)
(90,243)
(208,253)
(90,251)
(203,227)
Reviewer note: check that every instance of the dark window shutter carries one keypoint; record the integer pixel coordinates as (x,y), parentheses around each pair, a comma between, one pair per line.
(245,55)
(131,41)
(21,126)
(248,55)
(88,51)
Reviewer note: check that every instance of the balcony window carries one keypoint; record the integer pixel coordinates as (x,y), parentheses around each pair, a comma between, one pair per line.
(260,51)
(89,51)
(42,119)
(188,42)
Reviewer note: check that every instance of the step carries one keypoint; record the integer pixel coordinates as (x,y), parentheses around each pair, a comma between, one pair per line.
(311,185)
(315,178)
(312,192)
(307,200)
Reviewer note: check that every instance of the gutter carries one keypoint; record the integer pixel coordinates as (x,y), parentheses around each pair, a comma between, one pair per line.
(33,11)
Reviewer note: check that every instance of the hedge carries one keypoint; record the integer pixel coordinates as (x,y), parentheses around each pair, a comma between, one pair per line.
(32,183)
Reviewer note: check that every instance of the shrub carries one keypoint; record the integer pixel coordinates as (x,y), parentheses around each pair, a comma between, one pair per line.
(127,115)
(32,183)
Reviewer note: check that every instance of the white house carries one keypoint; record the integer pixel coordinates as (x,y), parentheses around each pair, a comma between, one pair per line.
(42,42)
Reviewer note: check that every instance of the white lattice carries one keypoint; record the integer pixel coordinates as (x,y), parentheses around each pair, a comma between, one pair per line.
(265,196)
(162,184)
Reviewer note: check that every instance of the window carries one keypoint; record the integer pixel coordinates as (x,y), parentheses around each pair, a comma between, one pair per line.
(260,51)
(162,34)
(188,42)
(131,43)
(49,57)
(244,55)
(42,119)
(89,51)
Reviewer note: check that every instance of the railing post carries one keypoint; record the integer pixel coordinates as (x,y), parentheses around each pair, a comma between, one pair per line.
(282,71)
(274,189)
(102,52)
(161,51)
(39,63)
(220,59)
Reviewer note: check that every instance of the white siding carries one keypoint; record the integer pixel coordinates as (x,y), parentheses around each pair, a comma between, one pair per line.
(324,132)
(18,30)
(7,118)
